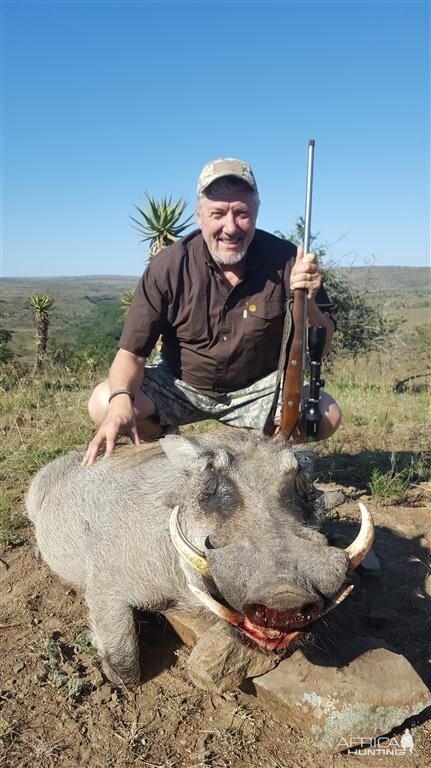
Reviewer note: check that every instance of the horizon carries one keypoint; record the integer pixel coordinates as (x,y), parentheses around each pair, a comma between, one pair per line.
(97,110)
(138,275)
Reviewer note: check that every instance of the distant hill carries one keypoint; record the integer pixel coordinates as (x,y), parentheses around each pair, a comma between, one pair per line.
(399,280)
(76,297)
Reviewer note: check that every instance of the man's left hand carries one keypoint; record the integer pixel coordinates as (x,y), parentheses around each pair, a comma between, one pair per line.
(306,273)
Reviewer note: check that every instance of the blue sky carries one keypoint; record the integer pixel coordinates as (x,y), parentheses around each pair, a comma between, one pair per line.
(104,100)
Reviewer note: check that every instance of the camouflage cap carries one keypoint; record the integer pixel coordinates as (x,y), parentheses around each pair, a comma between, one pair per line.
(226,166)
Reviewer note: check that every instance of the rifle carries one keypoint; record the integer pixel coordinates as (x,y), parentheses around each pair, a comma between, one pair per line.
(292,413)
(294,408)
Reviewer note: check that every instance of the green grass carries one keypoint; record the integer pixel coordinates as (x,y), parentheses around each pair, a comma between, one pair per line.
(75,299)
(41,419)
(37,424)
(390,487)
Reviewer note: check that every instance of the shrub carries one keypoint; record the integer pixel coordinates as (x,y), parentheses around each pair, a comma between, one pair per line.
(361,326)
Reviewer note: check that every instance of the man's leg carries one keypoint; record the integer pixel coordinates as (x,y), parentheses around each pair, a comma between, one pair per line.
(249,408)
(329,422)
(162,404)
(331,416)
(147,422)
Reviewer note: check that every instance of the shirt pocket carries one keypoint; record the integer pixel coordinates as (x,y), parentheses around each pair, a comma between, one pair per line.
(263,317)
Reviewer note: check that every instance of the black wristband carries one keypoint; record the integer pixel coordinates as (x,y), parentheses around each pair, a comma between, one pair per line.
(122,392)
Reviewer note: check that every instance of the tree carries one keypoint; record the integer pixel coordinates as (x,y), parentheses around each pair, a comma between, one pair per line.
(160,222)
(41,304)
(361,326)
(97,336)
(6,354)
(126,300)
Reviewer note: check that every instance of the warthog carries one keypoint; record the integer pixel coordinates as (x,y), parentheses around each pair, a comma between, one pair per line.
(224,523)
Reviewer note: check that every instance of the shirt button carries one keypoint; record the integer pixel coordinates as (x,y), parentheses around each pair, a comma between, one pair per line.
(224,338)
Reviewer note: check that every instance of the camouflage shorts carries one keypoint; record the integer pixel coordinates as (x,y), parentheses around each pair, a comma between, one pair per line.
(179,403)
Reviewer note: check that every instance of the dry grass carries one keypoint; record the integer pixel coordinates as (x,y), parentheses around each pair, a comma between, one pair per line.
(43,418)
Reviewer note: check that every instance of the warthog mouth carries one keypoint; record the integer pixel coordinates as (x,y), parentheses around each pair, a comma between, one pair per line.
(274,630)
(268,629)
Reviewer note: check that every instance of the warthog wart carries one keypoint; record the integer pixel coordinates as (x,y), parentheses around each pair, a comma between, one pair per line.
(227,524)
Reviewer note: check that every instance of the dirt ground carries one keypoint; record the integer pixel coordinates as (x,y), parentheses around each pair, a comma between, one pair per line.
(56,708)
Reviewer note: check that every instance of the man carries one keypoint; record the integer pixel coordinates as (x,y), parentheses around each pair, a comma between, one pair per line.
(217,297)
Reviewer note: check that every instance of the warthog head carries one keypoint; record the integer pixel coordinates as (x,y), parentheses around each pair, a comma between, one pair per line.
(243,518)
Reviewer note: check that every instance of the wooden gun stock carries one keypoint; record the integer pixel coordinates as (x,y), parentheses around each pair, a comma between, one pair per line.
(294,371)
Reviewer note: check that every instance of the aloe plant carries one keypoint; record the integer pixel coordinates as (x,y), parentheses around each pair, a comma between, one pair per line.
(160,222)
(126,300)
(41,304)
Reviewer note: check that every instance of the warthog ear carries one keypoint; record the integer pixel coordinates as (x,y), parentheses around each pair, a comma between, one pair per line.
(304,479)
(287,460)
(178,450)
(305,460)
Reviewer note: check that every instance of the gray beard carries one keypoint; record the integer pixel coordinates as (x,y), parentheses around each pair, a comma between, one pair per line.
(227,260)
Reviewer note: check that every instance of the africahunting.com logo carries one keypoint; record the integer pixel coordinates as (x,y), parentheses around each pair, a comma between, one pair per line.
(362,745)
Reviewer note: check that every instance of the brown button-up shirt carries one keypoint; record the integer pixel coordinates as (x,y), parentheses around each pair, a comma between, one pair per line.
(215,337)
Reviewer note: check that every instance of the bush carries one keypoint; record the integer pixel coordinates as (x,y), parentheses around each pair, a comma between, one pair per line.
(6,354)
(361,327)
(93,342)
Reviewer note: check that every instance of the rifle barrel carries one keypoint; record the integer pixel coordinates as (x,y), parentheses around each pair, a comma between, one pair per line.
(307,231)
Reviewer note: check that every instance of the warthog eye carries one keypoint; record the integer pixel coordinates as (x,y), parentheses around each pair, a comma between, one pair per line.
(219,494)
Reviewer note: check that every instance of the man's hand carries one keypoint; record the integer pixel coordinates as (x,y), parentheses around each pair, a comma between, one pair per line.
(306,273)
(120,420)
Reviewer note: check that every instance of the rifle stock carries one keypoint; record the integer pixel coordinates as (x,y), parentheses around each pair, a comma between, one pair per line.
(294,371)
(295,367)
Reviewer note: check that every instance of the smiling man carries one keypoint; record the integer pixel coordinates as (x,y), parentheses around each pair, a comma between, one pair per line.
(217,298)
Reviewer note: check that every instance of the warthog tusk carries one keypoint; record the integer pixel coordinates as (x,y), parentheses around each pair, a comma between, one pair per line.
(220,610)
(364,540)
(191,554)
(337,599)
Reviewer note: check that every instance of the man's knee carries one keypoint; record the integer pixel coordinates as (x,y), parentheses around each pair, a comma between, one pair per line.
(145,410)
(331,417)
(98,402)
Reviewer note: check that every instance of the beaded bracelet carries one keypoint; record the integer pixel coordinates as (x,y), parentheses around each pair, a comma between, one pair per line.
(122,392)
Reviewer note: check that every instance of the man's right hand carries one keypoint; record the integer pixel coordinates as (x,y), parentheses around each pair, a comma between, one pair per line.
(120,420)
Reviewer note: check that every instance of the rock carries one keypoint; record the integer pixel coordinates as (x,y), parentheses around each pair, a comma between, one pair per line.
(370,566)
(103,694)
(97,678)
(219,662)
(374,693)
(19,667)
(188,627)
(330,500)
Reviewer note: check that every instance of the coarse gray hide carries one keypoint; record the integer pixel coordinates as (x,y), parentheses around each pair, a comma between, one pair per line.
(245,501)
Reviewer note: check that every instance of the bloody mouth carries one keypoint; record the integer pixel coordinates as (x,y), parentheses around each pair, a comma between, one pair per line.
(273,630)
(266,628)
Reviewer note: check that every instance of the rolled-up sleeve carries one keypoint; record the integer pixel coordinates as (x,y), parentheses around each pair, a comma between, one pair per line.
(146,316)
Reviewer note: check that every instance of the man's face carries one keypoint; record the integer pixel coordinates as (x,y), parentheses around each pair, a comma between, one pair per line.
(228,223)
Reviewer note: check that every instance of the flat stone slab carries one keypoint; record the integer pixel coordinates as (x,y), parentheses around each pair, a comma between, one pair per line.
(366,697)
(376,692)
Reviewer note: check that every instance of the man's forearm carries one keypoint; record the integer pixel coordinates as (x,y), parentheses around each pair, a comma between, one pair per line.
(126,372)
(320,319)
